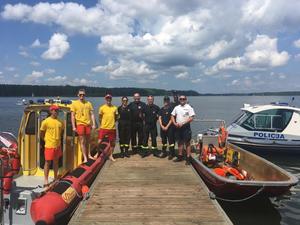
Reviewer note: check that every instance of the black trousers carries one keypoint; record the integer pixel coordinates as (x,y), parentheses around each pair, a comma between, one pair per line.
(137,130)
(124,129)
(168,136)
(150,129)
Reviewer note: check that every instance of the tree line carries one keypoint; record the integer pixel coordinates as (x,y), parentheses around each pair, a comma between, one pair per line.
(12,90)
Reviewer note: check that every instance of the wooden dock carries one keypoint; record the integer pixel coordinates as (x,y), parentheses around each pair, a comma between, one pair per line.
(151,191)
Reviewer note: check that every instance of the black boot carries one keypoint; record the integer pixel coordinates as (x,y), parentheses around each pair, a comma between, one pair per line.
(171,154)
(164,153)
(126,153)
(122,152)
(144,151)
(188,160)
(134,150)
(178,159)
(156,152)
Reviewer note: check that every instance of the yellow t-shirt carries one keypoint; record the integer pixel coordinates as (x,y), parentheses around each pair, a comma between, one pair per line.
(82,112)
(53,129)
(108,114)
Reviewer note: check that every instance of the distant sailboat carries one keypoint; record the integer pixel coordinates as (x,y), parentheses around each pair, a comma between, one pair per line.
(32,94)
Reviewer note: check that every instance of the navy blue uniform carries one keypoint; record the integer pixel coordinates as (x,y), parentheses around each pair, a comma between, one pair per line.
(167,135)
(137,127)
(124,127)
(150,117)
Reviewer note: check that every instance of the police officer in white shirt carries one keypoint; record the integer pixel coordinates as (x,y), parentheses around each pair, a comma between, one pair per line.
(182,116)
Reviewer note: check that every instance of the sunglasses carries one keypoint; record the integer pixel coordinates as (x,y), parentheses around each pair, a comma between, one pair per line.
(182,99)
(81,95)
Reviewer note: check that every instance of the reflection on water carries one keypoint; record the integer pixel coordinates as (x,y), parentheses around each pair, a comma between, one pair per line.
(254,211)
(282,210)
(268,211)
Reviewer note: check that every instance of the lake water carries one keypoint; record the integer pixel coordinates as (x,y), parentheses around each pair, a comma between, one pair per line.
(282,210)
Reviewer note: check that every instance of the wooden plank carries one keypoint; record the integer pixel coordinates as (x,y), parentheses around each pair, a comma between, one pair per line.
(148,191)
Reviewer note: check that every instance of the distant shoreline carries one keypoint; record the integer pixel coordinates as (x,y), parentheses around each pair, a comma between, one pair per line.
(13,90)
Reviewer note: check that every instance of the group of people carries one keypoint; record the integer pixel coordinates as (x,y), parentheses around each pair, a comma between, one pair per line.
(137,121)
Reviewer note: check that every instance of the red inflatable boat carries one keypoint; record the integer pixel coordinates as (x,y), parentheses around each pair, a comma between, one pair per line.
(10,159)
(56,205)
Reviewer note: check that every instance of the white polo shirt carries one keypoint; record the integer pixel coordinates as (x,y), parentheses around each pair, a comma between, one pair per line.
(183,113)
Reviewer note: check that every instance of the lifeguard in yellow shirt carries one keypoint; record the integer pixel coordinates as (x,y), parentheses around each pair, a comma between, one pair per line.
(83,120)
(108,114)
(51,131)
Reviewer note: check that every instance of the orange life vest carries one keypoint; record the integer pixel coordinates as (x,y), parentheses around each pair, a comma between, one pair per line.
(224,171)
(223,133)
(210,153)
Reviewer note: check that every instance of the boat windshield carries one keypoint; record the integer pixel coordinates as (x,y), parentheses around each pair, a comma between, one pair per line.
(267,120)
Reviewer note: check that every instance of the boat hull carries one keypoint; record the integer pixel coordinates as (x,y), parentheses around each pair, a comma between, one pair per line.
(263,148)
(236,191)
(243,189)
(56,205)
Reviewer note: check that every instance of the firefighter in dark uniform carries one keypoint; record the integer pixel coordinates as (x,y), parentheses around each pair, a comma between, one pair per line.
(137,127)
(124,126)
(175,99)
(150,115)
(167,129)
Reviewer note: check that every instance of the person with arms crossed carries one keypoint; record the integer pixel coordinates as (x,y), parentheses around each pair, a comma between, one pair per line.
(108,114)
(51,131)
(182,116)
(166,129)
(83,120)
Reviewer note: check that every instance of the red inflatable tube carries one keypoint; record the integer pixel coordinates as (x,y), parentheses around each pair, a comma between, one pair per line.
(7,181)
(55,206)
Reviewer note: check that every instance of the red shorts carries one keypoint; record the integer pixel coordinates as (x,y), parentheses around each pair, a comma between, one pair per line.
(53,153)
(83,130)
(109,133)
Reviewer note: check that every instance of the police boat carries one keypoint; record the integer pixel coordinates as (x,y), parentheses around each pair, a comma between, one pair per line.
(261,128)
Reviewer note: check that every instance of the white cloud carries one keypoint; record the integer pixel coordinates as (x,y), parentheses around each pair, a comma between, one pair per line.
(24,54)
(35,63)
(261,54)
(57,79)
(281,76)
(270,14)
(83,81)
(297,43)
(1,72)
(58,47)
(196,81)
(34,77)
(36,44)
(126,69)
(50,71)
(183,75)
(10,68)
(235,82)
(72,17)
(217,49)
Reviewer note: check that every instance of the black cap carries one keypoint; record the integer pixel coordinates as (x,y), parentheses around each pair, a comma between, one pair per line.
(166,99)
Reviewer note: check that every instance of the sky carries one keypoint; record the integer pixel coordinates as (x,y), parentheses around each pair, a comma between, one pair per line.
(208,46)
